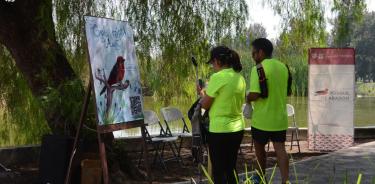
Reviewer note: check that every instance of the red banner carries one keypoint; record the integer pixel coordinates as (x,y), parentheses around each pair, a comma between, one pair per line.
(331,56)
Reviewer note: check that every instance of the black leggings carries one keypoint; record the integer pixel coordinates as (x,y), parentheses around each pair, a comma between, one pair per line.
(223,154)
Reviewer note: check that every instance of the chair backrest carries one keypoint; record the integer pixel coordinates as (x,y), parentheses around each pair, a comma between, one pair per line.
(172,115)
(152,120)
(290,109)
(150,117)
(291,113)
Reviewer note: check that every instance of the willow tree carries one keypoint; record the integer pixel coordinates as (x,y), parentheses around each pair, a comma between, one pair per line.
(167,34)
(303,27)
(350,14)
(363,40)
(27,31)
(170,32)
(241,42)
(46,42)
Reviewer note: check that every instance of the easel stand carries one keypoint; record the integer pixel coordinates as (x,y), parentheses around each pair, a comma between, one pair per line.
(101,143)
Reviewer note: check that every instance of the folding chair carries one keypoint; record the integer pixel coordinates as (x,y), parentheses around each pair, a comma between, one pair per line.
(175,124)
(247,129)
(158,141)
(294,128)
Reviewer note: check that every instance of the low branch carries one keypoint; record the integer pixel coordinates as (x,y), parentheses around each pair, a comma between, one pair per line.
(102,77)
(120,86)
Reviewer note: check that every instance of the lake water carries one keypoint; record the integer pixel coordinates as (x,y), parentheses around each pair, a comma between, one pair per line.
(364,114)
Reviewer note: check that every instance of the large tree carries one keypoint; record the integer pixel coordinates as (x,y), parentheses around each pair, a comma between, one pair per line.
(46,41)
(27,31)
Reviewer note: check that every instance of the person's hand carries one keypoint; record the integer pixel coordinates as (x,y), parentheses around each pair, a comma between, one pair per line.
(200,91)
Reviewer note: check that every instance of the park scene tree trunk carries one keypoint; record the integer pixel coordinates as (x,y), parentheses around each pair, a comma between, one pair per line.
(43,52)
(27,30)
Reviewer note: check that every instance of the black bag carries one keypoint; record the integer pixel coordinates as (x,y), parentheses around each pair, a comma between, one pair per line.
(262,81)
(204,124)
(289,91)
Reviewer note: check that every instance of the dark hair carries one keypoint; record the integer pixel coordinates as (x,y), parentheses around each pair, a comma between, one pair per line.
(263,44)
(226,56)
(236,62)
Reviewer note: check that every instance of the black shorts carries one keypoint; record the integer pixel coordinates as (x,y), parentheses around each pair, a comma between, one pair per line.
(262,137)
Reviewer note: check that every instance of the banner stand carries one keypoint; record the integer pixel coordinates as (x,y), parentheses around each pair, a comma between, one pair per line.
(331,96)
(101,143)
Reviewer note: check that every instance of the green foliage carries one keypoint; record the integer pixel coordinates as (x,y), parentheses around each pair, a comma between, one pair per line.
(21,119)
(350,14)
(247,179)
(241,43)
(363,40)
(365,89)
(175,31)
(303,28)
(167,33)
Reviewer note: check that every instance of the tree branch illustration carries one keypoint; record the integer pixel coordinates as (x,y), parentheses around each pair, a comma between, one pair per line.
(101,76)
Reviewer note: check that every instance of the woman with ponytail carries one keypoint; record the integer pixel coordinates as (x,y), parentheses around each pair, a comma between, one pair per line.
(223,98)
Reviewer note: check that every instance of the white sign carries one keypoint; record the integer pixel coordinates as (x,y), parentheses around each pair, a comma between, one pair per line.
(331,98)
(114,71)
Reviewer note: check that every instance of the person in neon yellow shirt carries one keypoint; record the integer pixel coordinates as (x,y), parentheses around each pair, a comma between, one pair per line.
(224,98)
(269,119)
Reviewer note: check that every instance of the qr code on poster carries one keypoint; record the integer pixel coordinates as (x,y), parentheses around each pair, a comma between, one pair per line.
(135,105)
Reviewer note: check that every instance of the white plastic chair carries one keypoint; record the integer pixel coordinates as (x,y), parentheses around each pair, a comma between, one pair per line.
(293,128)
(159,142)
(175,124)
(247,129)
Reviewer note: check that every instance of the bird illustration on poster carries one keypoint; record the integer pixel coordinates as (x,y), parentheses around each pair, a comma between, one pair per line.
(114,82)
(115,71)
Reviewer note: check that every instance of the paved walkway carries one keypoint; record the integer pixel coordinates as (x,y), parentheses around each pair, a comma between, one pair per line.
(336,167)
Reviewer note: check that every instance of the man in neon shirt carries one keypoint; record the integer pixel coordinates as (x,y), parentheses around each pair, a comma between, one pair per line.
(269,118)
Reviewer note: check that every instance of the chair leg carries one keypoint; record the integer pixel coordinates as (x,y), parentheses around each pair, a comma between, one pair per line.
(299,149)
(155,153)
(291,141)
(252,145)
(162,150)
(161,158)
(158,157)
(176,156)
(179,148)
(140,157)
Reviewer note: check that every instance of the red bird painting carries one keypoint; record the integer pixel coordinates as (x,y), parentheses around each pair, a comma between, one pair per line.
(117,73)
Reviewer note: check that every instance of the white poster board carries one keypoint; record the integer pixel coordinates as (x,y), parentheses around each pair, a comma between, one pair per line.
(331,98)
(114,69)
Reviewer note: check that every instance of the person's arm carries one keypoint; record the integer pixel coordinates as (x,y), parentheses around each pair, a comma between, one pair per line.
(209,94)
(254,93)
(206,101)
(252,97)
